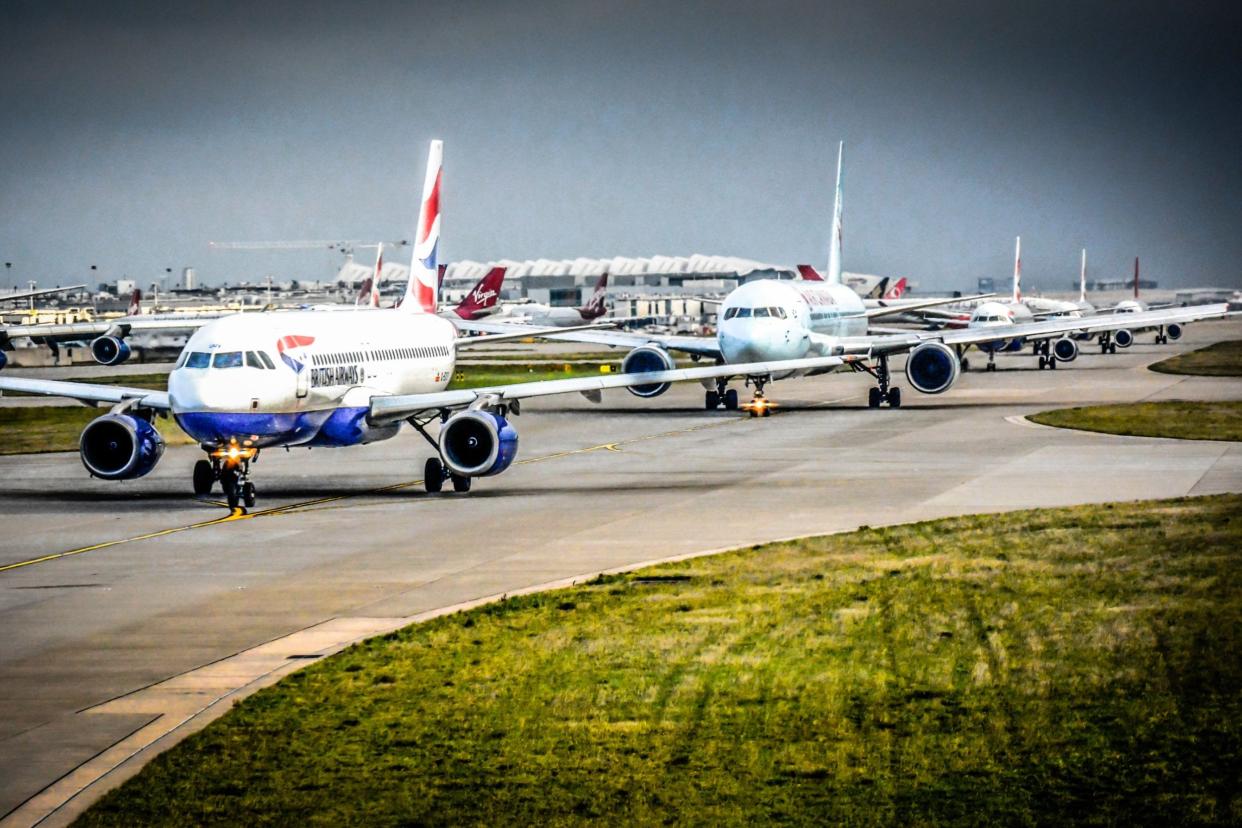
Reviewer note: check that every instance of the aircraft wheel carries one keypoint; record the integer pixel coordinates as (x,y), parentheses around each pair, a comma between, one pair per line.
(247,494)
(1112,347)
(1043,363)
(894,398)
(461,483)
(433,475)
(231,487)
(711,400)
(204,477)
(965,364)
(873,398)
(730,399)
(1052,363)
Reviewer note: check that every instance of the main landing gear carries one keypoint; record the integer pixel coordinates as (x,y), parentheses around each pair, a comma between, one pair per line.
(963,362)
(723,395)
(883,393)
(1162,338)
(434,471)
(1107,346)
(231,466)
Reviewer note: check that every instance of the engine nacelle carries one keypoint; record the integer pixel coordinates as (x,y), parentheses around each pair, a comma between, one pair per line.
(1123,338)
(120,447)
(642,360)
(1172,331)
(110,350)
(932,368)
(478,443)
(1065,349)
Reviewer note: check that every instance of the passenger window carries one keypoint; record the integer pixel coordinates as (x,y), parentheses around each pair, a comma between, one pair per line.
(231,359)
(198,359)
(761,312)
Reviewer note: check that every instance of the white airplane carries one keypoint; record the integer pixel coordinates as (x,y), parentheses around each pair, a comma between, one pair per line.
(547,316)
(340,379)
(771,319)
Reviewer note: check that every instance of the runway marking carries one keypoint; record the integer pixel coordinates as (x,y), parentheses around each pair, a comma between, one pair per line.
(240,514)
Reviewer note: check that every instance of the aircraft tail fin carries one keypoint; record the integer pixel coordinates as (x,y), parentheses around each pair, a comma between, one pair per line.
(135,302)
(897,290)
(483,296)
(595,308)
(809,274)
(423,288)
(1017,270)
(1136,290)
(368,291)
(1082,277)
(834,247)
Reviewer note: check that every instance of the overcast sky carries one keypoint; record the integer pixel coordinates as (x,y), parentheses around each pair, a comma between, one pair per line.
(135,133)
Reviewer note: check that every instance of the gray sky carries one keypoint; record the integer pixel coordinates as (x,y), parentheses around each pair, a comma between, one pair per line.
(134,133)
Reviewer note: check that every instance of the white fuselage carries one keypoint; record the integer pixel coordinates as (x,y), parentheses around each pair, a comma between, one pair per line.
(541,316)
(770,320)
(305,377)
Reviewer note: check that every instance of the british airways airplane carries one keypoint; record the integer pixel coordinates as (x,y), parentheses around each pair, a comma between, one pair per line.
(249,382)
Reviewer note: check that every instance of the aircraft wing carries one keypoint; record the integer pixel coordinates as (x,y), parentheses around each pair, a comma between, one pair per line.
(895,306)
(391,409)
(514,331)
(32,294)
(1034,330)
(88,392)
(124,326)
(701,345)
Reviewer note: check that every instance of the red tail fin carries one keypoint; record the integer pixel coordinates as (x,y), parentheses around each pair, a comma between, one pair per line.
(483,297)
(809,273)
(897,290)
(135,303)
(594,308)
(440,276)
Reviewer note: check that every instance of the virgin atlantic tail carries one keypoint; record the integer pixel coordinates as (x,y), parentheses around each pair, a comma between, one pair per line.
(135,303)
(595,308)
(482,299)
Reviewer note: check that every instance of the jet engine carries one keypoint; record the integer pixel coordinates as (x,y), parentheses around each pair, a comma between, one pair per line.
(1172,331)
(643,359)
(1065,349)
(120,447)
(109,350)
(932,367)
(1123,338)
(478,443)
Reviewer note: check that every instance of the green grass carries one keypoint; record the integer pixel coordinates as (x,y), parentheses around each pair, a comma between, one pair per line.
(1223,359)
(1172,418)
(34,429)
(1055,666)
(476,376)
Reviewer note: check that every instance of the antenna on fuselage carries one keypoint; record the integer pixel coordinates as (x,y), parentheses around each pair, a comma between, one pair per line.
(834,247)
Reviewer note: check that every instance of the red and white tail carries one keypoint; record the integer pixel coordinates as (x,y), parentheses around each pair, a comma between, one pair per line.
(135,303)
(809,273)
(897,290)
(1136,277)
(595,308)
(368,291)
(483,297)
(420,293)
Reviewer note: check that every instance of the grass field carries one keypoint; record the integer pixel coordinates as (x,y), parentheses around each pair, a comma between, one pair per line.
(1173,418)
(34,429)
(1223,359)
(1077,665)
(476,376)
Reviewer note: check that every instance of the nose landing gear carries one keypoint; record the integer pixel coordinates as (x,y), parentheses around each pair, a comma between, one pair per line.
(759,405)
(231,466)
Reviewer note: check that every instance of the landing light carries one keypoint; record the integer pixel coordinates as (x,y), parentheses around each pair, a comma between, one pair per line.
(234,452)
(759,405)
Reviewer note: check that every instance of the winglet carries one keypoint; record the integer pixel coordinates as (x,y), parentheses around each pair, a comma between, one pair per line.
(809,273)
(420,293)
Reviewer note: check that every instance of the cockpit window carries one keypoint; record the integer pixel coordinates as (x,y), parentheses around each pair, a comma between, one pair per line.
(181,362)
(229,359)
(762,312)
(742,313)
(267,360)
(779,313)
(730,313)
(198,359)
(252,360)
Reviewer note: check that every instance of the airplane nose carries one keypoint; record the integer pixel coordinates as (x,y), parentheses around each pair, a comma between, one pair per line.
(748,342)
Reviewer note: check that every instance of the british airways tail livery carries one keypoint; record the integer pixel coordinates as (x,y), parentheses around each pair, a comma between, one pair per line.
(424,282)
